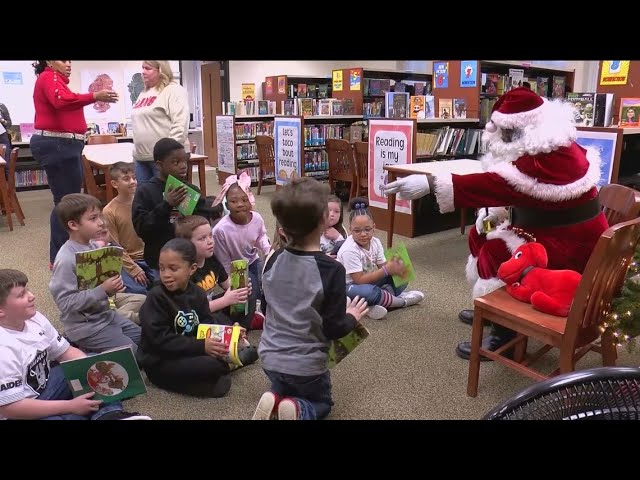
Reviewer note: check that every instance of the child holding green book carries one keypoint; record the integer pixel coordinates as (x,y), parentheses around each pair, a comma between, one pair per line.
(369,273)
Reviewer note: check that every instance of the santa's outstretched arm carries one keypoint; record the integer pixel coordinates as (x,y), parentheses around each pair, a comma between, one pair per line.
(458,191)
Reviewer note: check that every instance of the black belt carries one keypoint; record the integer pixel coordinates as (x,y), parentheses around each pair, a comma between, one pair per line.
(533,217)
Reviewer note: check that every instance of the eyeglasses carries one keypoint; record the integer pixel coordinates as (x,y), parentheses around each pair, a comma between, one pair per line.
(358,231)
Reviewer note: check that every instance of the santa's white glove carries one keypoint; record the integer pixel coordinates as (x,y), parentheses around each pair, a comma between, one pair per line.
(496,216)
(408,188)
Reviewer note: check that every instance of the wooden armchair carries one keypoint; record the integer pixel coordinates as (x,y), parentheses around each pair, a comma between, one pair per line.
(619,203)
(361,153)
(92,186)
(9,203)
(342,167)
(267,159)
(575,335)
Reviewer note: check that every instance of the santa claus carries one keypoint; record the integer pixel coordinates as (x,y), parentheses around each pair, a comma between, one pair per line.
(538,184)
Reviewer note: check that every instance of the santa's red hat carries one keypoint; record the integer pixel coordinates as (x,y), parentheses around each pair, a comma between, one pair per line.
(516,109)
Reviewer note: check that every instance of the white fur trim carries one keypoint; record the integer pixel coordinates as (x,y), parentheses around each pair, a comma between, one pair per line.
(471,270)
(547,191)
(509,237)
(443,190)
(517,120)
(485,286)
(553,127)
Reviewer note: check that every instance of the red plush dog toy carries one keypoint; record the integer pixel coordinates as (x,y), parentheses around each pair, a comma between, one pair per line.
(528,280)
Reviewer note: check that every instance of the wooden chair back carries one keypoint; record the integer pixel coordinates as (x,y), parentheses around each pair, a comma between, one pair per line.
(267,159)
(101,139)
(619,203)
(361,153)
(341,164)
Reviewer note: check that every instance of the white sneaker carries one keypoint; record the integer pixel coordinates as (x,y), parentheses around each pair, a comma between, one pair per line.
(266,406)
(412,297)
(377,312)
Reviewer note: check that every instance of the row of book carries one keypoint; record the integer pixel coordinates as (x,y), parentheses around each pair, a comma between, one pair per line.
(315,135)
(249,107)
(325,107)
(449,141)
(316,160)
(249,130)
(498,84)
(309,90)
(380,87)
(247,151)
(31,178)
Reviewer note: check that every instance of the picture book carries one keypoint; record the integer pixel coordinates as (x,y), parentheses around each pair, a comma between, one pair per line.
(94,266)
(459,108)
(418,108)
(190,201)
(399,252)
(445,107)
(630,112)
(113,375)
(584,107)
(238,276)
(342,347)
(233,336)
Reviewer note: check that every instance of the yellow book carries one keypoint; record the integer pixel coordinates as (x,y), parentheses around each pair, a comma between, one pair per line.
(230,335)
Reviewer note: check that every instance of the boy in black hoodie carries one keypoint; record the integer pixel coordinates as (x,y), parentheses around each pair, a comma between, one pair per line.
(169,351)
(153,213)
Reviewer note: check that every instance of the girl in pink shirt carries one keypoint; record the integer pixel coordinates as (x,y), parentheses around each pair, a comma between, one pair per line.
(242,235)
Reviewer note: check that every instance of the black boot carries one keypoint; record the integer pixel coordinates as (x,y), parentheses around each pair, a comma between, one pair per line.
(492,342)
(466,316)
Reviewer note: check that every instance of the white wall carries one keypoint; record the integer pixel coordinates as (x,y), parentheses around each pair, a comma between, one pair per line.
(255,71)
(19,98)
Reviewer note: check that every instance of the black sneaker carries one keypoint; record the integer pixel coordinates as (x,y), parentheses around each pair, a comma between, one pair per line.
(123,415)
(248,355)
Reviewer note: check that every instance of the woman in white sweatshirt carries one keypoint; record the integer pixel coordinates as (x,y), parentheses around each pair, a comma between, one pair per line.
(161,110)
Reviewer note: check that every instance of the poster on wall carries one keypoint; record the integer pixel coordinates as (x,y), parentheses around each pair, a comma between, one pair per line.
(134,85)
(268,86)
(248,91)
(94,81)
(226,144)
(355,79)
(441,72)
(605,144)
(287,133)
(337,80)
(614,72)
(390,143)
(468,73)
(282,85)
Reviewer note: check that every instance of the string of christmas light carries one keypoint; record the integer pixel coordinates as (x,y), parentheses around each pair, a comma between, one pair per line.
(624,317)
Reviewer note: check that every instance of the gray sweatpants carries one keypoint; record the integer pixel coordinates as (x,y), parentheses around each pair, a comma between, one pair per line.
(119,333)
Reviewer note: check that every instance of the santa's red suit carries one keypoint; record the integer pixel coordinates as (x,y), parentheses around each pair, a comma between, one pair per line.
(533,166)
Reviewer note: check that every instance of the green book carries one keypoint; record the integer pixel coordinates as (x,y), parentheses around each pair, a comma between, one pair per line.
(338,349)
(94,266)
(188,205)
(114,375)
(238,278)
(399,252)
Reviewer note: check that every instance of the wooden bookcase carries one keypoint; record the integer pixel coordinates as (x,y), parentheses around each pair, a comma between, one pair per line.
(242,137)
(278,95)
(359,97)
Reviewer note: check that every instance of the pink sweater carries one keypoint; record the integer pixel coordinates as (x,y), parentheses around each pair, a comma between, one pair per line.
(237,242)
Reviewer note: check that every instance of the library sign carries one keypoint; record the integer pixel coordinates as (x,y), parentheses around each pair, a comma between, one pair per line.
(391,142)
(287,133)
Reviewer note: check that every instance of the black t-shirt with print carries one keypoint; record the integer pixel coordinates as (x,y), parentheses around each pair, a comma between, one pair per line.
(211,274)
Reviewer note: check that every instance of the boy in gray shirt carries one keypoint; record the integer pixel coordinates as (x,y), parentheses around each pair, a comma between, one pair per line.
(306,298)
(87,316)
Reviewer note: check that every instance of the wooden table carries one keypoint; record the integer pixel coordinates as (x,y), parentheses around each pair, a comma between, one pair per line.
(458,167)
(101,157)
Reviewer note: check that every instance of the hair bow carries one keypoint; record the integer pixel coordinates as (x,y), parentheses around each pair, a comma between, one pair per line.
(243,180)
(360,206)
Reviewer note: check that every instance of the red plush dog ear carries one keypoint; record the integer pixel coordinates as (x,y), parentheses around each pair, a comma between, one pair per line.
(538,254)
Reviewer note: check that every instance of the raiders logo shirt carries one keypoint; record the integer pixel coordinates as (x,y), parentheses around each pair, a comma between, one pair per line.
(25,359)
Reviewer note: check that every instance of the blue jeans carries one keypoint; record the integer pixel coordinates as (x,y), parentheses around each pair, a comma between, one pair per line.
(58,389)
(131,286)
(373,293)
(145,171)
(312,394)
(61,159)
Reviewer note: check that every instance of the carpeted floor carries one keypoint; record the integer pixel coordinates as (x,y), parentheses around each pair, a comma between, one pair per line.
(406,369)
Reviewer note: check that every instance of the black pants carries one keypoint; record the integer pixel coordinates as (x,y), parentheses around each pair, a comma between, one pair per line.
(203,376)
(61,159)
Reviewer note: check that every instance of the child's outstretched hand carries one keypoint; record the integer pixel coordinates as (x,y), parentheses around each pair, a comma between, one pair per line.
(357,307)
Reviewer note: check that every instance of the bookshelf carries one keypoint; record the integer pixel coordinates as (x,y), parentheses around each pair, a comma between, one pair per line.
(237,150)
(358,91)
(283,87)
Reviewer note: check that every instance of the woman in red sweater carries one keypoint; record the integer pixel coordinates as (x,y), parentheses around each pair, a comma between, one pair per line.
(59,136)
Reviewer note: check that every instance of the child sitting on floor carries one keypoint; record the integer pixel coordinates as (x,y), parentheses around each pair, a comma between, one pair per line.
(334,234)
(368,272)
